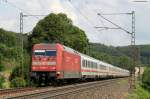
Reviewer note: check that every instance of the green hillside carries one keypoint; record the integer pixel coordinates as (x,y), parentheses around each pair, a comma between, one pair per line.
(144,51)
(125,50)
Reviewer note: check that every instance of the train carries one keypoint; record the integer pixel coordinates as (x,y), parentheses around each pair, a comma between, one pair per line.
(53,63)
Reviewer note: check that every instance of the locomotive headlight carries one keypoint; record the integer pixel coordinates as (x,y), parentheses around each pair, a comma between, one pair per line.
(58,72)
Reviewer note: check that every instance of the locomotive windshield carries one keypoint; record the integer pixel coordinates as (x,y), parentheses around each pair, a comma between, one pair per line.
(50,52)
(45,52)
(39,52)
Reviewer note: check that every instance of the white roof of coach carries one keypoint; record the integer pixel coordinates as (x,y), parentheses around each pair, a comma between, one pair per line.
(70,50)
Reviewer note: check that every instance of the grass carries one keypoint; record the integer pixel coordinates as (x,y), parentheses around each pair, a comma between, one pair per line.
(122,81)
(139,93)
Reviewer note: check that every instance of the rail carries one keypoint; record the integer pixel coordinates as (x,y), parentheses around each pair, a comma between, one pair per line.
(61,91)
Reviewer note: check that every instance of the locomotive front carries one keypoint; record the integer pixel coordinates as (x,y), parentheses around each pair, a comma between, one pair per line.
(43,65)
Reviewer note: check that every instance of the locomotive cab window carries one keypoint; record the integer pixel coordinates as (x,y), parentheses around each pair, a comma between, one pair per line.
(50,52)
(39,52)
(45,52)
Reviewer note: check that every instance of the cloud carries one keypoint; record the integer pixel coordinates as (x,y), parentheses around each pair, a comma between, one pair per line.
(57,6)
(10,25)
(84,14)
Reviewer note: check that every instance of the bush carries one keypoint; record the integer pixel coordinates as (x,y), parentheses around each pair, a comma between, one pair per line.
(139,93)
(1,67)
(146,79)
(2,80)
(18,82)
(16,72)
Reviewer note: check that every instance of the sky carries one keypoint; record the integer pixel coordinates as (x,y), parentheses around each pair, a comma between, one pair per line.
(83,13)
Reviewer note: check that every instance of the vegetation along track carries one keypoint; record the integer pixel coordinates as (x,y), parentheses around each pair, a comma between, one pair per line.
(61,91)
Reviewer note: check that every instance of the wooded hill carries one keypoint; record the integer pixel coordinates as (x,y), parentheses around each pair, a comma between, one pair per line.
(123,51)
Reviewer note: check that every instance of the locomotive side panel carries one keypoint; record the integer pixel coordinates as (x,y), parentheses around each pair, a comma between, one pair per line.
(71,65)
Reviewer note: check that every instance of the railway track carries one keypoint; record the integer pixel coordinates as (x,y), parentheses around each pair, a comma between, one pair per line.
(14,90)
(17,91)
(61,91)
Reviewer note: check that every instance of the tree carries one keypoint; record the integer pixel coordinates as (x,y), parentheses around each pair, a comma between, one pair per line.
(125,62)
(1,65)
(146,78)
(58,28)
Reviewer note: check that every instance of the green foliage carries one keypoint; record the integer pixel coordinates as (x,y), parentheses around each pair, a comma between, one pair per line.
(105,49)
(7,37)
(125,62)
(101,56)
(58,28)
(9,49)
(16,72)
(146,79)
(144,52)
(18,82)
(142,90)
(2,80)
(26,66)
(139,93)
(1,65)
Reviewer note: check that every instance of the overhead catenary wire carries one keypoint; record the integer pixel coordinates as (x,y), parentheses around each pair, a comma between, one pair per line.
(19,8)
(84,16)
(102,22)
(118,27)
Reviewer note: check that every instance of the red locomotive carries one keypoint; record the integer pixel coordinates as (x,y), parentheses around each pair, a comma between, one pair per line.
(55,62)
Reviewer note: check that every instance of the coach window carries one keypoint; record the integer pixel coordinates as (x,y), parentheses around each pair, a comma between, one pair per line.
(102,67)
(91,64)
(83,63)
(88,64)
(96,66)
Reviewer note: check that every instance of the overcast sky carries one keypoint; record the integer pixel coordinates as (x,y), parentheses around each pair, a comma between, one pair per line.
(84,14)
